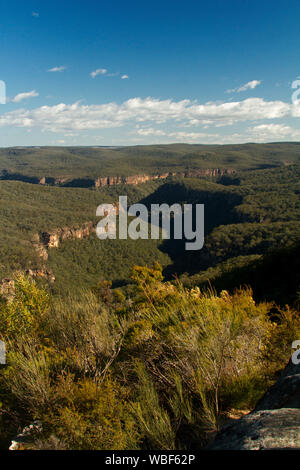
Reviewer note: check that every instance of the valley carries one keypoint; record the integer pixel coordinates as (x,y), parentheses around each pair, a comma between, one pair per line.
(143,308)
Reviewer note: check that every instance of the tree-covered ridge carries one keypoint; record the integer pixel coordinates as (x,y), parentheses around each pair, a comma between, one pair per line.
(92,162)
(246,215)
(28,209)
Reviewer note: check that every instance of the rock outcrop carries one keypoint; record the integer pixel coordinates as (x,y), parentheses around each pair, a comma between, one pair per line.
(7,285)
(101,181)
(262,430)
(39,247)
(138,179)
(274,423)
(285,393)
(27,436)
(53,238)
(41,273)
(134,179)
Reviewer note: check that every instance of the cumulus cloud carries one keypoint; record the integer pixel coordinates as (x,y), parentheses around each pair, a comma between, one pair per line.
(61,68)
(24,96)
(77,117)
(260,133)
(273,131)
(175,136)
(248,86)
(107,74)
(98,72)
(151,131)
(267,132)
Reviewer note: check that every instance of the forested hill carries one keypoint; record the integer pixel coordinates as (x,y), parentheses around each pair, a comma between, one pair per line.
(247,215)
(83,165)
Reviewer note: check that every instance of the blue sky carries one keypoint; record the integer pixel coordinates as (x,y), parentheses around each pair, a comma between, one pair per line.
(119,73)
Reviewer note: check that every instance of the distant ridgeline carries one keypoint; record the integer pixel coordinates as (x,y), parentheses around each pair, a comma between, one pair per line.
(49,227)
(97,167)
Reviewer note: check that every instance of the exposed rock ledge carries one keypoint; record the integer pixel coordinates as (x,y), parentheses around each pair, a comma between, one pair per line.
(86,182)
(274,423)
(7,285)
(53,238)
(137,179)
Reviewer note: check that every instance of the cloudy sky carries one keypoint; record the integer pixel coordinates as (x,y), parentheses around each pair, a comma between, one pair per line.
(130,72)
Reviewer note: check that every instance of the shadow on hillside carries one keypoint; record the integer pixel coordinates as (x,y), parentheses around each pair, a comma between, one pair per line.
(19,177)
(275,277)
(219,209)
(50,181)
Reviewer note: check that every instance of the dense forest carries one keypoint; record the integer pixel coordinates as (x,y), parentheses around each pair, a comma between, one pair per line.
(83,163)
(139,344)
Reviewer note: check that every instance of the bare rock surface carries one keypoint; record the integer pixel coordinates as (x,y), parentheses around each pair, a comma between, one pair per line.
(269,429)
(273,424)
(285,393)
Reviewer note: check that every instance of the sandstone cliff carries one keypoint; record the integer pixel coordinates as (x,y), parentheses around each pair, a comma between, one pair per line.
(100,181)
(138,179)
(53,238)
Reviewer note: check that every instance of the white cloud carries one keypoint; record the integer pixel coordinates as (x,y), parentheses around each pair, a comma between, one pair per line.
(25,96)
(262,133)
(151,131)
(248,86)
(107,74)
(188,136)
(77,117)
(61,68)
(272,131)
(98,72)
(35,14)
(177,136)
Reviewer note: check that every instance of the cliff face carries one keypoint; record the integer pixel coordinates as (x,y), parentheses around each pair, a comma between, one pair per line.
(137,179)
(53,238)
(112,180)
(208,172)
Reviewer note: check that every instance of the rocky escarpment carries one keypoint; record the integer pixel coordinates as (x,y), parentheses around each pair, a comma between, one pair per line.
(138,179)
(134,179)
(274,423)
(101,181)
(53,238)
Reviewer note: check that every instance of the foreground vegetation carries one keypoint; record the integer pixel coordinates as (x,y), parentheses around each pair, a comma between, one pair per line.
(156,366)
